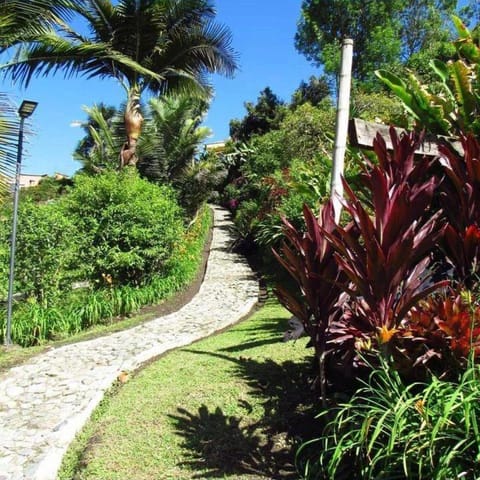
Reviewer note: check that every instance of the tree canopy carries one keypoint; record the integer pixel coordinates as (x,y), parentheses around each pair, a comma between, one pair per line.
(261,117)
(385,32)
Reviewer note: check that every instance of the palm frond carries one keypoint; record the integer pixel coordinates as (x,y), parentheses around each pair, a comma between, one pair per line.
(9,126)
(22,21)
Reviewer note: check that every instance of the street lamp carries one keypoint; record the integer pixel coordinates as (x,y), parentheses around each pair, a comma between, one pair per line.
(26,109)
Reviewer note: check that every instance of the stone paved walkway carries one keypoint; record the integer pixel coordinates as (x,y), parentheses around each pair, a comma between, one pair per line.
(46,401)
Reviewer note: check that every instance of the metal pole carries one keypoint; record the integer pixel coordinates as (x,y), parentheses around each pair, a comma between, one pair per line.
(8,334)
(341,129)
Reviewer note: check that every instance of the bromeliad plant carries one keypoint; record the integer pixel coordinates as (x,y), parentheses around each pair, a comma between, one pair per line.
(440,336)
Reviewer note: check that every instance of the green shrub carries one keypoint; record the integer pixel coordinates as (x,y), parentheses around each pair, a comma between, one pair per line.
(47,251)
(129,227)
(48,188)
(76,310)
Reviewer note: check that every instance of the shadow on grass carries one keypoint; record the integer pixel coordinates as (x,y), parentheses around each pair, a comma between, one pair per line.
(226,445)
(270,332)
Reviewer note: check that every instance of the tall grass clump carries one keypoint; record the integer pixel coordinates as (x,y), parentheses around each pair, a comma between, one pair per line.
(389,430)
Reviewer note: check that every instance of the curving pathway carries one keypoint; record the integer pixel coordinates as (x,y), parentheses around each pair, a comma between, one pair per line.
(46,401)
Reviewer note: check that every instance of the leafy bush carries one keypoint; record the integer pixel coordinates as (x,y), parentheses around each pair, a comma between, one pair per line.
(47,250)
(129,227)
(389,430)
(76,310)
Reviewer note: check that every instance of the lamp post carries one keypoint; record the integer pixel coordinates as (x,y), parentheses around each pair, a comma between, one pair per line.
(26,109)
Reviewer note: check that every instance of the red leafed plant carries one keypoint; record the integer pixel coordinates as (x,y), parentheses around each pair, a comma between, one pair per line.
(460,198)
(388,258)
(439,334)
(378,264)
(315,296)
(387,263)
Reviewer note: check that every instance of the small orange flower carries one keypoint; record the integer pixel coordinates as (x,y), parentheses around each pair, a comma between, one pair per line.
(385,334)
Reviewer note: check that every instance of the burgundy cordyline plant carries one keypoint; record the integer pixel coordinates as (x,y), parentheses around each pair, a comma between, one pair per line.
(315,297)
(460,198)
(388,261)
(357,283)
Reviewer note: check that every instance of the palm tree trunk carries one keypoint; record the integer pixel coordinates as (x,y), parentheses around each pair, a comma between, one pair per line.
(133,128)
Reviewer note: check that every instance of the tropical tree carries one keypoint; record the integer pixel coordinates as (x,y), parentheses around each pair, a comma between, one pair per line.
(261,117)
(386,33)
(313,91)
(146,45)
(171,137)
(102,141)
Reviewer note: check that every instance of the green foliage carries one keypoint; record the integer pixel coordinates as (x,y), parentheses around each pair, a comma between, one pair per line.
(451,105)
(313,92)
(197,182)
(390,430)
(171,137)
(377,107)
(47,251)
(75,310)
(98,150)
(49,188)
(129,226)
(261,117)
(285,168)
(385,33)
(308,131)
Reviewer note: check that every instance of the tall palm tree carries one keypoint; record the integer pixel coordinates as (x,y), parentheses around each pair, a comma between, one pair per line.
(146,45)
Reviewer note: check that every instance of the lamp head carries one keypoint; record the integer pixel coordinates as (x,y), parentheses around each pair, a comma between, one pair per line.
(27,108)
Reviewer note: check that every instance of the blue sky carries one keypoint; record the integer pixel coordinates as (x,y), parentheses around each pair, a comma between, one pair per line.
(263,35)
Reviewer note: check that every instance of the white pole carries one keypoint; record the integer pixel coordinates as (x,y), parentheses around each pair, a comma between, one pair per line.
(341,128)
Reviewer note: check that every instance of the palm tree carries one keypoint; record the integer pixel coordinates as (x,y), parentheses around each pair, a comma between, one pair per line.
(102,141)
(172,136)
(146,45)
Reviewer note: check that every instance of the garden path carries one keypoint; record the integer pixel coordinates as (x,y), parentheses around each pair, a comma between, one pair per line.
(45,402)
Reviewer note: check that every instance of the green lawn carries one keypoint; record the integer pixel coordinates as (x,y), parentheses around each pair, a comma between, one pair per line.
(231,406)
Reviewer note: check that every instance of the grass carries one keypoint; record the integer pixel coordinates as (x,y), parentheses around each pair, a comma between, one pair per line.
(232,406)
(183,271)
